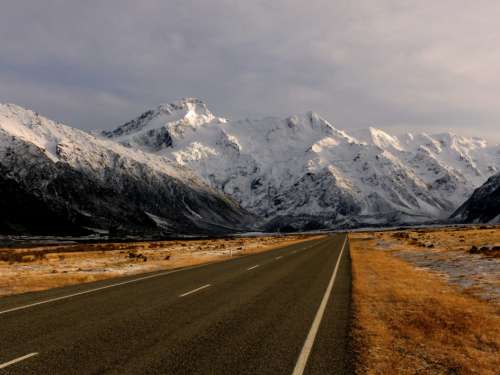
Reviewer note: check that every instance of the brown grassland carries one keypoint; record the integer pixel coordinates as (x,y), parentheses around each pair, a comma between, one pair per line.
(43,267)
(412,320)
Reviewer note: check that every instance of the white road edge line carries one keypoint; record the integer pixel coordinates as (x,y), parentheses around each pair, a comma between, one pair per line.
(100,288)
(194,290)
(251,268)
(7,364)
(300,366)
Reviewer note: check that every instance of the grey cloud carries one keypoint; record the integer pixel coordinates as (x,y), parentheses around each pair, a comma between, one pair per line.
(400,65)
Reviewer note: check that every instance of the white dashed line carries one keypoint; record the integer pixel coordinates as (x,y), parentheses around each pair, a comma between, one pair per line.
(7,364)
(101,288)
(107,287)
(195,290)
(251,268)
(277,258)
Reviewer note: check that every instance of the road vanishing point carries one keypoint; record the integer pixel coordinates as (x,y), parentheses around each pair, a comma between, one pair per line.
(285,311)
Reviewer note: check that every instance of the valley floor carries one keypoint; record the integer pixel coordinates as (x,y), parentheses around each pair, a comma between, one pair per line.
(39,268)
(427,301)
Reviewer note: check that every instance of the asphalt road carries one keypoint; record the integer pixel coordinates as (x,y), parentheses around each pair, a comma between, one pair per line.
(286,311)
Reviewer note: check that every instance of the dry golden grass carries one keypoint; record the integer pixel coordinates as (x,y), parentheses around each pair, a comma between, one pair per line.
(410,321)
(467,257)
(44,267)
(446,239)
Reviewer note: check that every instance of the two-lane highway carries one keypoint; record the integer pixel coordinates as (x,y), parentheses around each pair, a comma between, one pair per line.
(285,311)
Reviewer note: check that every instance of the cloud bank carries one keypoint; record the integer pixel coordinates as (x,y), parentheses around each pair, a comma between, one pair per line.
(399,65)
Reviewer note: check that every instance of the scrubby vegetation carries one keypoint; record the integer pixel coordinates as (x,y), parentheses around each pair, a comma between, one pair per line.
(410,320)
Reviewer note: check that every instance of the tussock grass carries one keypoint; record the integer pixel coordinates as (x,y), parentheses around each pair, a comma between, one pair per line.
(42,267)
(410,321)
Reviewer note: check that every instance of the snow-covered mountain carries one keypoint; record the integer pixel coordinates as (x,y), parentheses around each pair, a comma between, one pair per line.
(55,179)
(178,168)
(483,206)
(302,172)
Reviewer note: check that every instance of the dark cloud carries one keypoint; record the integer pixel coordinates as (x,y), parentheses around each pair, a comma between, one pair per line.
(399,65)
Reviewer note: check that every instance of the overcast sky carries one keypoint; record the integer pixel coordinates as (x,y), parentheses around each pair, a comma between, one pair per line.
(420,65)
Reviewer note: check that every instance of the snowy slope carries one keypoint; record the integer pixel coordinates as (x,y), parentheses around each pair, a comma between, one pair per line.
(451,165)
(179,168)
(302,171)
(82,181)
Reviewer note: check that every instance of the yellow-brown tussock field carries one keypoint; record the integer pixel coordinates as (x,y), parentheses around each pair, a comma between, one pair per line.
(38,268)
(426,301)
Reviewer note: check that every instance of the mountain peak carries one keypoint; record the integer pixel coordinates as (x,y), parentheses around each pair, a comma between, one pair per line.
(185,104)
(9,109)
(191,111)
(11,106)
(451,139)
(378,137)
(186,111)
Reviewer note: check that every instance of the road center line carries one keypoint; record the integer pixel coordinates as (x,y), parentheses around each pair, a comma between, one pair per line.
(100,288)
(7,364)
(308,344)
(195,290)
(251,268)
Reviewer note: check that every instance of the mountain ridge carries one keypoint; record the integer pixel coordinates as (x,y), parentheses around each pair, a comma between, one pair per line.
(93,184)
(270,165)
(293,173)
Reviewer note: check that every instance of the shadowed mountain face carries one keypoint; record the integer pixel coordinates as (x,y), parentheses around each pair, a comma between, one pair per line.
(483,206)
(59,180)
(179,169)
(302,172)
